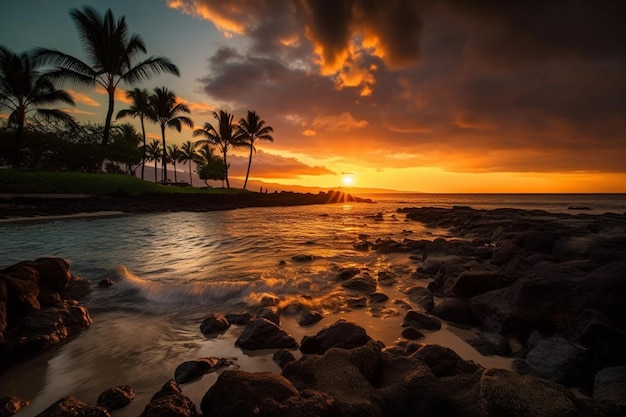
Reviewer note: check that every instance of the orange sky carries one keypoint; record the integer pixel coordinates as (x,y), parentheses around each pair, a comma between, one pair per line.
(433,96)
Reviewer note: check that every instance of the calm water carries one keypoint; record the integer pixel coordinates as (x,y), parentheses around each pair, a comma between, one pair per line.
(171,270)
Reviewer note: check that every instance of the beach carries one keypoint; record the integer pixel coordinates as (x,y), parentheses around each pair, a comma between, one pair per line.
(171,269)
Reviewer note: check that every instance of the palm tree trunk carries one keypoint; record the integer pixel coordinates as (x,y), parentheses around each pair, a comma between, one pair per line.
(249,163)
(155,169)
(175,176)
(190,179)
(164,173)
(107,126)
(226,171)
(143,158)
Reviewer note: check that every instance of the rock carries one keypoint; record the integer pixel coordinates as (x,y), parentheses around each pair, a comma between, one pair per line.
(11,405)
(347,273)
(214,323)
(422,296)
(53,273)
(309,318)
(356,302)
(378,297)
(190,370)
(490,344)
(22,295)
(412,333)
(116,397)
(443,361)
(362,282)
(282,357)
(345,375)
(174,405)
(77,288)
(610,385)
(240,319)
(269,313)
(262,394)
(73,407)
(302,258)
(386,278)
(169,388)
(263,334)
(420,320)
(105,283)
(341,334)
(454,310)
(472,283)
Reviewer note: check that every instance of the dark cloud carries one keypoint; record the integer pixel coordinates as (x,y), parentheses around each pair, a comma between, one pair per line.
(266,165)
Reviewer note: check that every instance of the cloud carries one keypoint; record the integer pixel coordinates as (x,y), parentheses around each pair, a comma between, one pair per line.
(266,165)
(83,98)
(120,94)
(340,123)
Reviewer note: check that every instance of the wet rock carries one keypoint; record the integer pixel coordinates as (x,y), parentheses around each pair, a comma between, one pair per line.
(378,297)
(443,361)
(421,296)
(269,313)
(282,357)
(471,283)
(240,319)
(362,282)
(341,334)
(214,323)
(11,405)
(454,310)
(490,344)
(309,318)
(105,283)
(73,407)
(356,302)
(412,333)
(347,273)
(116,397)
(419,320)
(169,388)
(610,385)
(386,278)
(262,394)
(78,288)
(263,334)
(302,258)
(174,404)
(191,370)
(22,294)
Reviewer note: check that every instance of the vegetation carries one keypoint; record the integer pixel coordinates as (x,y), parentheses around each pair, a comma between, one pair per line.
(139,108)
(253,128)
(188,154)
(154,152)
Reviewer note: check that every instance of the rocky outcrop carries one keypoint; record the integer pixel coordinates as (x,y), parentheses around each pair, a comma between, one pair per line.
(191,370)
(341,334)
(36,311)
(170,402)
(263,334)
(116,397)
(73,407)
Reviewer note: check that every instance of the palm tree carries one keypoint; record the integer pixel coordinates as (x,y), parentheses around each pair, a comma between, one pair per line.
(112,56)
(173,155)
(23,89)
(225,137)
(137,109)
(188,154)
(253,129)
(164,111)
(153,153)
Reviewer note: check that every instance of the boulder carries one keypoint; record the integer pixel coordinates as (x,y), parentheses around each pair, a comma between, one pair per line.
(378,297)
(362,282)
(282,357)
(240,319)
(11,405)
(347,273)
(472,283)
(341,334)
(490,344)
(356,302)
(454,310)
(386,278)
(422,296)
(190,370)
(105,283)
(412,333)
(169,388)
(443,361)
(22,296)
(310,317)
(174,405)
(73,407)
(419,320)
(116,397)
(269,313)
(610,385)
(263,334)
(262,394)
(214,323)
(53,273)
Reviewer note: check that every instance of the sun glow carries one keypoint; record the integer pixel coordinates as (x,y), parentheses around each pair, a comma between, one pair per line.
(348,180)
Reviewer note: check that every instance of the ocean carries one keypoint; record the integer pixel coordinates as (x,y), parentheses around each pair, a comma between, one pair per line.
(172,269)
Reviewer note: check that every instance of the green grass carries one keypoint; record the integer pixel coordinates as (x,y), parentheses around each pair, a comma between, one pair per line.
(28,182)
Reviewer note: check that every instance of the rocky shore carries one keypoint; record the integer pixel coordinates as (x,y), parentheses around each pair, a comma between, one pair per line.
(545,289)
(12,206)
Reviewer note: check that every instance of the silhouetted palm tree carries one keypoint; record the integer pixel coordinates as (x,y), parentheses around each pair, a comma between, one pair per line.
(112,56)
(225,137)
(173,155)
(154,153)
(188,154)
(165,111)
(24,89)
(253,129)
(137,109)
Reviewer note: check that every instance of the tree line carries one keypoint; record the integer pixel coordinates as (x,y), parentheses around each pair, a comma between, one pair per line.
(28,84)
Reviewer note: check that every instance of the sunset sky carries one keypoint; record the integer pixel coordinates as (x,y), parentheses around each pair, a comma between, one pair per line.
(409,95)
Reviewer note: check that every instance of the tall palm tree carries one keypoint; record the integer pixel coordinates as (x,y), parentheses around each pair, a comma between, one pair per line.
(165,111)
(23,89)
(112,54)
(226,136)
(253,129)
(153,153)
(173,155)
(137,109)
(188,154)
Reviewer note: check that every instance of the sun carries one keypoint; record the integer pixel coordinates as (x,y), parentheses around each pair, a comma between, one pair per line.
(348,180)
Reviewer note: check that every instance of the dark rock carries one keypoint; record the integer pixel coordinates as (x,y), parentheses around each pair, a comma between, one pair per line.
(282,357)
(309,318)
(386,278)
(214,323)
(48,297)
(262,394)
(22,296)
(422,296)
(73,407)
(269,313)
(356,302)
(610,385)
(341,334)
(116,397)
(53,273)
(347,273)
(412,333)
(490,344)
(175,405)
(263,334)
(454,310)
(362,282)
(418,320)
(105,283)
(378,297)
(240,319)
(78,288)
(471,283)
(443,361)
(169,388)
(302,258)
(11,405)
(190,370)
(282,262)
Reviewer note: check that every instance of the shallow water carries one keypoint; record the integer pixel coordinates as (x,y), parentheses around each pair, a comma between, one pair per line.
(171,270)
